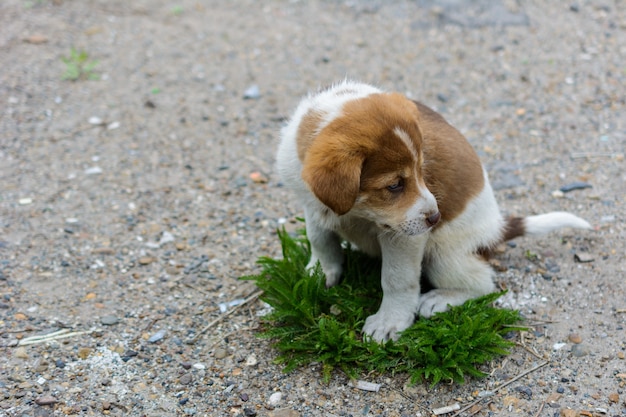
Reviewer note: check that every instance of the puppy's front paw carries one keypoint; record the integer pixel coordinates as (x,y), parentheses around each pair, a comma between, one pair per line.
(383,326)
(437,301)
(331,271)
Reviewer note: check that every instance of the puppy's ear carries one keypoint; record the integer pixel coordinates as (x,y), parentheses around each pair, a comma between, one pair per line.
(332,170)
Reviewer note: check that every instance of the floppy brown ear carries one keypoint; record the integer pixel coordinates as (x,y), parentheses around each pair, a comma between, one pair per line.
(332,171)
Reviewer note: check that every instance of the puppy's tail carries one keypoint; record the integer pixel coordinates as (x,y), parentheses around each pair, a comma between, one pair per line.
(541,224)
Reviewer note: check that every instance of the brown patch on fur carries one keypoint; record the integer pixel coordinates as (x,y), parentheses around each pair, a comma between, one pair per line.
(358,152)
(309,125)
(452,170)
(513,228)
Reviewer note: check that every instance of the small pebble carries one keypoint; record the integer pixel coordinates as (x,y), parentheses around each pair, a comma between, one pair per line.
(59,364)
(93,171)
(21,353)
(130,353)
(157,336)
(525,390)
(244,397)
(249,412)
(258,178)
(614,397)
(185,379)
(145,260)
(95,120)
(45,400)
(251,360)
(560,390)
(186,365)
(284,412)
(252,92)
(275,398)
(166,237)
(367,386)
(84,352)
(568,412)
(103,251)
(577,185)
(220,353)
(109,320)
(575,338)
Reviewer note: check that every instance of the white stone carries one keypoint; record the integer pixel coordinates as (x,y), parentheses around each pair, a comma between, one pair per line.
(275,398)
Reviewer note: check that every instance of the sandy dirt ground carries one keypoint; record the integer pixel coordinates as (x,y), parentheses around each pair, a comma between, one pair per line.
(131,204)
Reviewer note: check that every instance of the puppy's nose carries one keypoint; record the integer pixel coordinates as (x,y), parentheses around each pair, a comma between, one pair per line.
(433,219)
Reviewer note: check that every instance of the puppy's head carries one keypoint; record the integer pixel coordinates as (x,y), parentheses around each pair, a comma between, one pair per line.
(368,161)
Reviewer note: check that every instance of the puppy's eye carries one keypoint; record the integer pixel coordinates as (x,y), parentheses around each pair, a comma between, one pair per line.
(397,186)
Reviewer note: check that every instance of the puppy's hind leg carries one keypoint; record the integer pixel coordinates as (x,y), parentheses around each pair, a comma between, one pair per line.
(456,278)
(325,249)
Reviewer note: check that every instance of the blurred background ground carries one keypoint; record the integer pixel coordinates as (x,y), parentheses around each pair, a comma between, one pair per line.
(131,204)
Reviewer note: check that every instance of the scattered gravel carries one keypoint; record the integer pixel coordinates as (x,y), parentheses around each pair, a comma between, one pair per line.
(130,205)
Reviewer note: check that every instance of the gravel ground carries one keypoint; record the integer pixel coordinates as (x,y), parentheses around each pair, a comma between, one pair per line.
(131,205)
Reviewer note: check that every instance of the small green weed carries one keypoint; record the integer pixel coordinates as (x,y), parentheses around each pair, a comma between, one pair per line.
(78,66)
(531,256)
(310,323)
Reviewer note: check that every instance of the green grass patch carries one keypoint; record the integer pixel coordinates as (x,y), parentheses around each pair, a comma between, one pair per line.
(310,323)
(78,66)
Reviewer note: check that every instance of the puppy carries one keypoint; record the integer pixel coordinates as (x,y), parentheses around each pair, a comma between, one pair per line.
(392,177)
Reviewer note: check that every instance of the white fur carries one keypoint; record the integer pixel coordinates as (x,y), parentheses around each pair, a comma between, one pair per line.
(406,139)
(452,267)
(447,253)
(415,222)
(544,223)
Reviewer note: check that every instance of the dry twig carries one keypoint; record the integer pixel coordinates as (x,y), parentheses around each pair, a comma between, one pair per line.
(60,334)
(543,404)
(529,350)
(578,155)
(506,384)
(251,298)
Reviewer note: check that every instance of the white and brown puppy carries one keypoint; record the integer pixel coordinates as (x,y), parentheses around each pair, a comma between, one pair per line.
(392,177)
